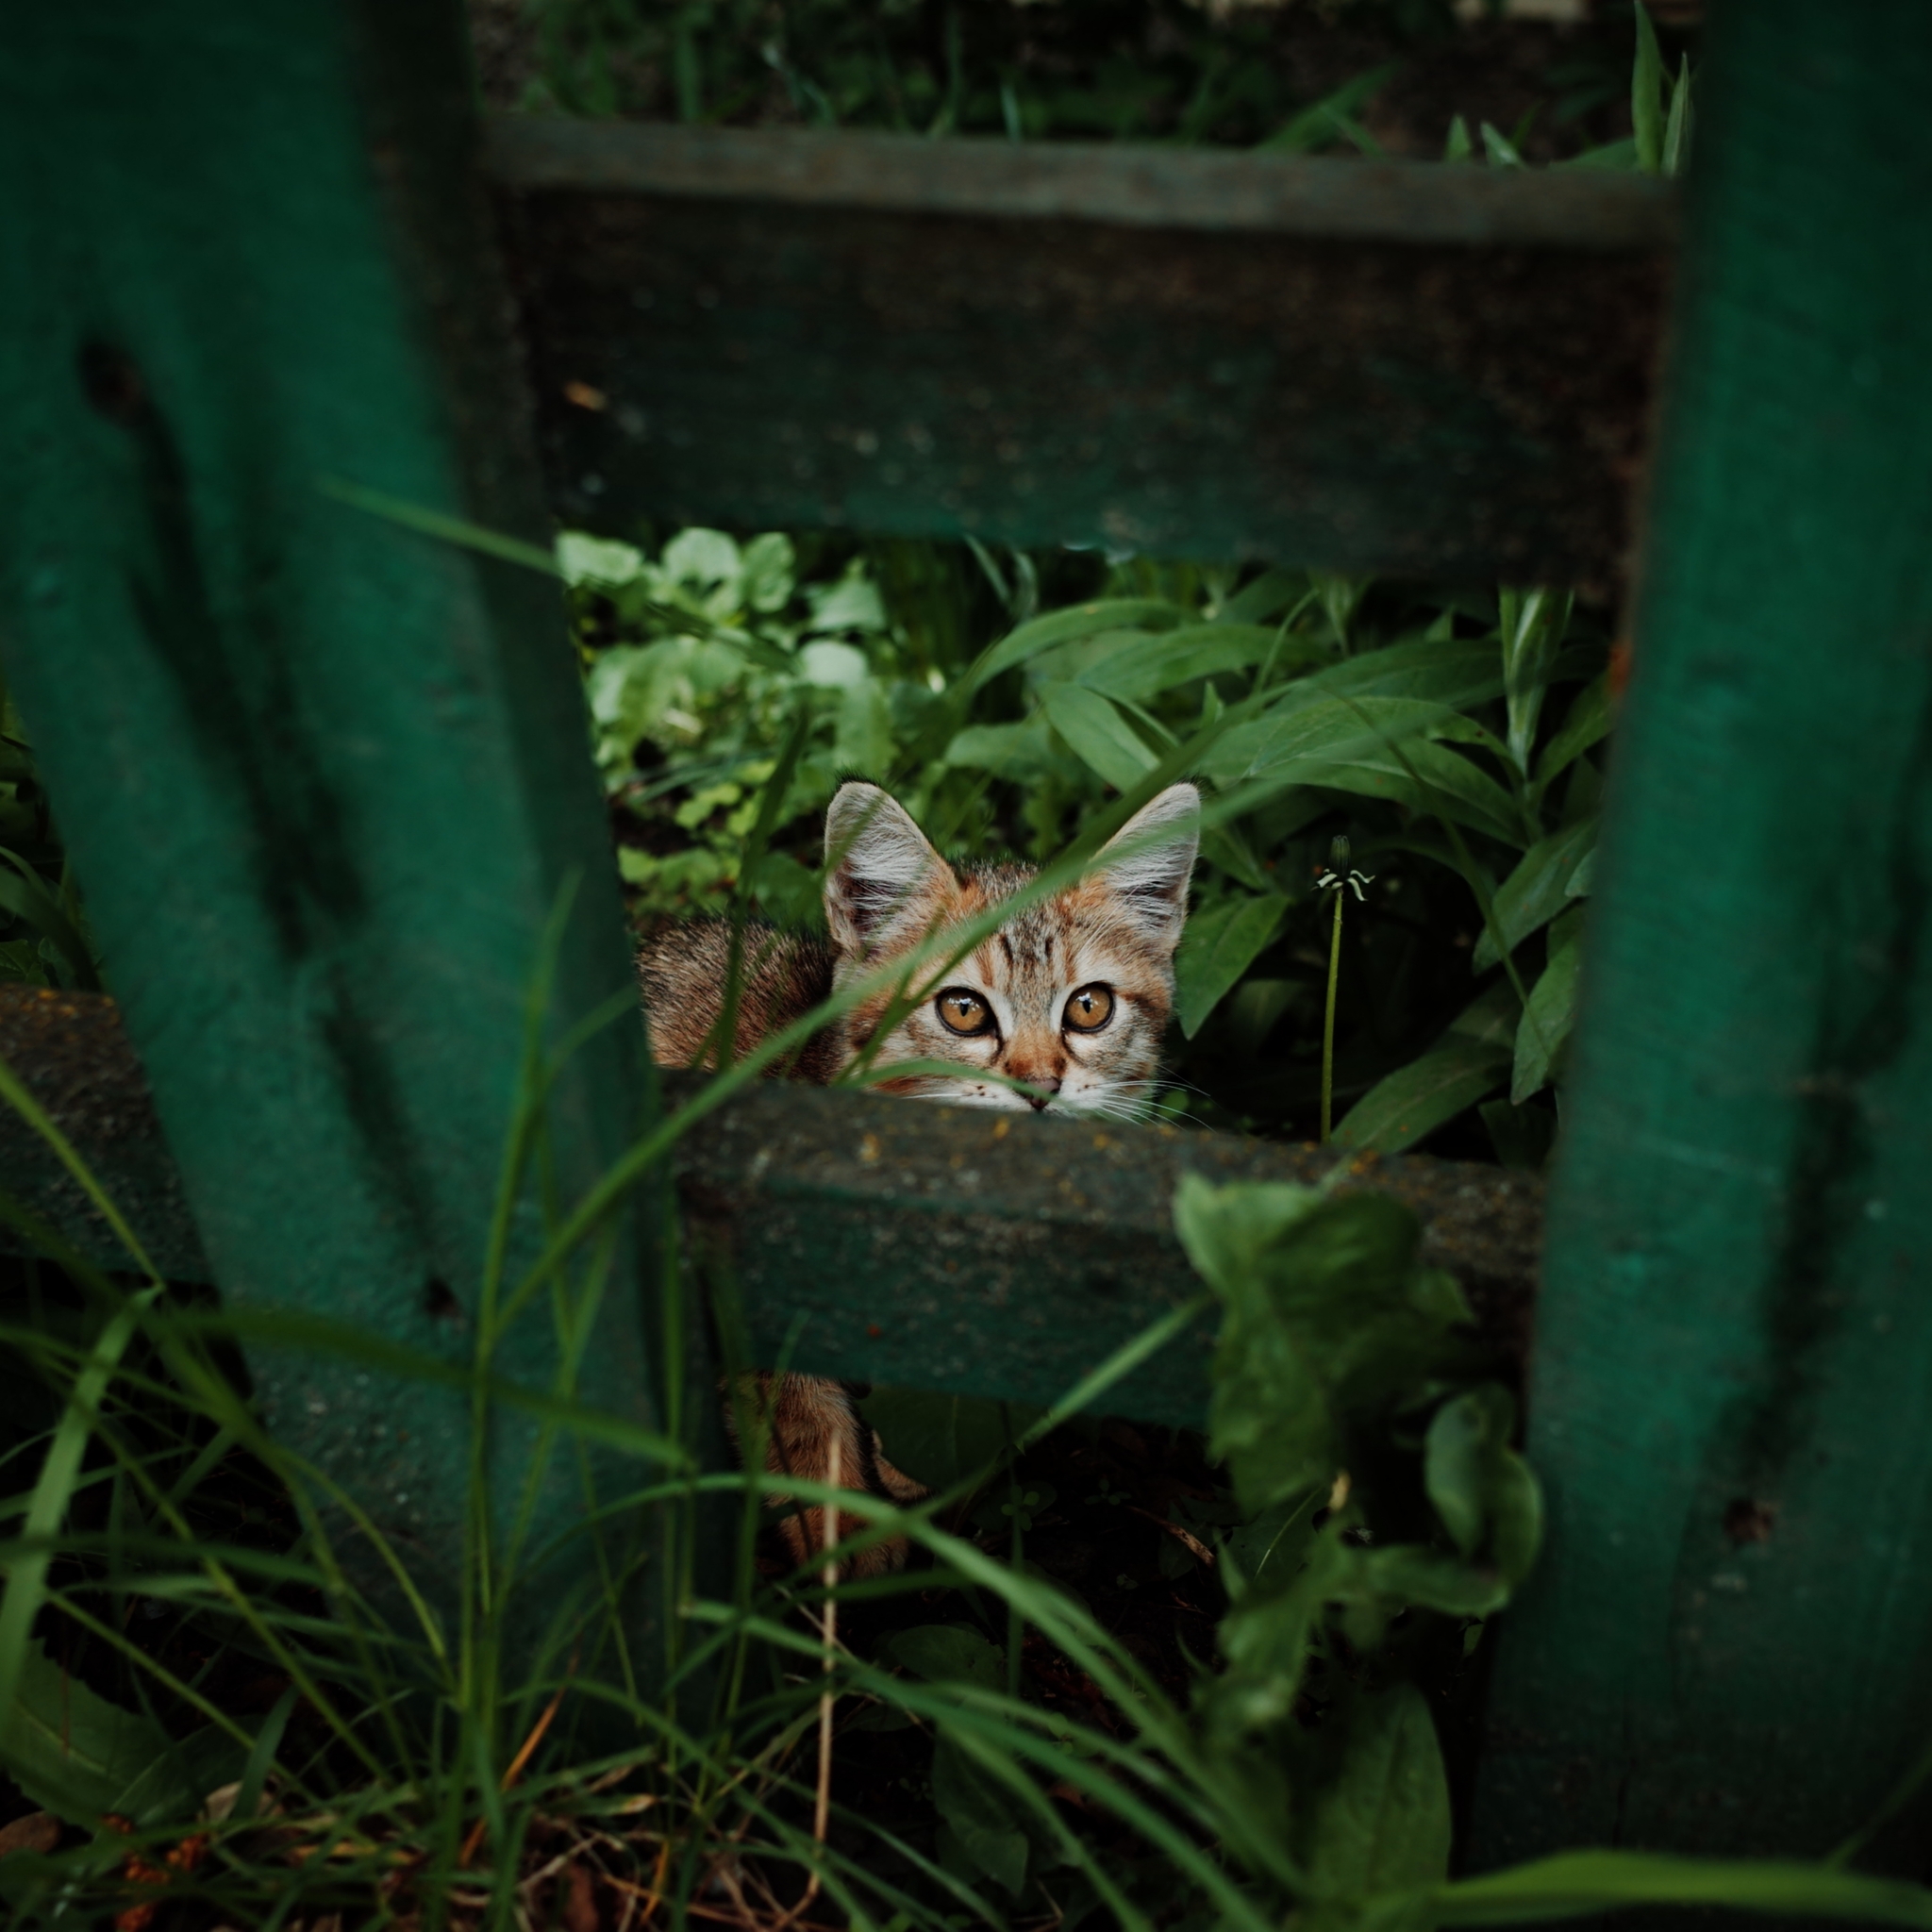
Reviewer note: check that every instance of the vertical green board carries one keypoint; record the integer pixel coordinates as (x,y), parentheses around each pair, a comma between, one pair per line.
(325,778)
(1727,1647)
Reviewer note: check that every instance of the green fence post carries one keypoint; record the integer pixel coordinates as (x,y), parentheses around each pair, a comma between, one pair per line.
(325,778)
(1726,1647)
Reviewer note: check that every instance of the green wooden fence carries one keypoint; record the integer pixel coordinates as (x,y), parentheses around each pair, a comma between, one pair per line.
(338,767)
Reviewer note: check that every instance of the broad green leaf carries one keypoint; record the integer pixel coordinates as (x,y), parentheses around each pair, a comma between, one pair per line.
(1099,736)
(1588,721)
(1552,1009)
(942,1440)
(947,1654)
(175,1783)
(1022,751)
(851,604)
(1646,96)
(75,1754)
(1574,1884)
(1458,671)
(1217,948)
(583,560)
(1411,1574)
(1155,663)
(1083,621)
(1329,731)
(708,563)
(1070,663)
(1457,145)
(1515,1502)
(1227,1231)
(1382,1823)
(1418,1098)
(1312,1286)
(1453,1467)
(1581,879)
(863,740)
(1427,778)
(770,569)
(980,1814)
(1266,1552)
(1535,892)
(1271,593)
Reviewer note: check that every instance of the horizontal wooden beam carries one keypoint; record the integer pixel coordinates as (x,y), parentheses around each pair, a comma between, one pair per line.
(1374,366)
(944,1248)
(1088,181)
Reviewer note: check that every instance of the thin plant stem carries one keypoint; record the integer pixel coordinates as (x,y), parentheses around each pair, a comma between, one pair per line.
(1329,1019)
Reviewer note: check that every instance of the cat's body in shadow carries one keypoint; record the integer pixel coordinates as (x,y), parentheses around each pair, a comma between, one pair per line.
(1069,997)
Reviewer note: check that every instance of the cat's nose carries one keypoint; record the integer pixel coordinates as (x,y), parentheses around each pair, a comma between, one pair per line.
(1048,1087)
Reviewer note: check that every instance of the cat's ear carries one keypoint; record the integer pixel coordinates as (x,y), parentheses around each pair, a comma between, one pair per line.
(882,874)
(1153,859)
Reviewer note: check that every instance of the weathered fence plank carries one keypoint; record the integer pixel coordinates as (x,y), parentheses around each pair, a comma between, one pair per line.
(1367,366)
(325,780)
(938,1247)
(1726,1647)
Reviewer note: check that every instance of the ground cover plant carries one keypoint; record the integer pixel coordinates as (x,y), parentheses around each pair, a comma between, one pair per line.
(222,1719)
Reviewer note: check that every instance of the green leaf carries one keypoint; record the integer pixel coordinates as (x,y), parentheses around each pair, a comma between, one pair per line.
(1574,1883)
(1408,1574)
(1457,672)
(1500,148)
(1646,96)
(24,893)
(1453,1468)
(1535,891)
(1588,720)
(1216,948)
(1458,147)
(770,569)
(1326,731)
(1266,1552)
(1098,734)
(1677,129)
(947,1654)
(943,1439)
(1156,663)
(1059,626)
(1324,1302)
(1426,777)
(1271,593)
(1022,751)
(1612,155)
(78,1756)
(979,1814)
(1382,1823)
(596,561)
(1466,1066)
(1550,1012)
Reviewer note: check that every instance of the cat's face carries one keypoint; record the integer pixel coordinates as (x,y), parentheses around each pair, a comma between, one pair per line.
(1072,994)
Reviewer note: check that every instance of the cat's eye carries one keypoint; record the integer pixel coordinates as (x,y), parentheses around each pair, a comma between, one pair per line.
(1089,1009)
(961,1010)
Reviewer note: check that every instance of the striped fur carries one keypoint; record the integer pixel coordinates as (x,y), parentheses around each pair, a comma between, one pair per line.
(886,890)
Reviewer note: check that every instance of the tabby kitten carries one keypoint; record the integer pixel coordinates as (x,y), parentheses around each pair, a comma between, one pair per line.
(1070,996)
